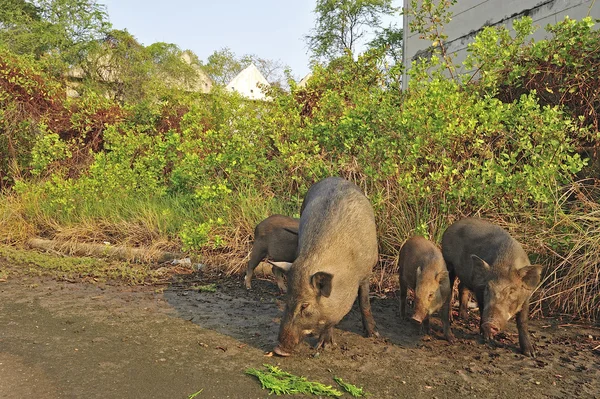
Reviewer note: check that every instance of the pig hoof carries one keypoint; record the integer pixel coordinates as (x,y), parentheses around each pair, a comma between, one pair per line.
(325,345)
(373,334)
(281,352)
(450,338)
(529,351)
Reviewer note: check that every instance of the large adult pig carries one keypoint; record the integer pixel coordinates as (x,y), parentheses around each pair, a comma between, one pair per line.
(337,249)
(492,264)
(275,238)
(422,268)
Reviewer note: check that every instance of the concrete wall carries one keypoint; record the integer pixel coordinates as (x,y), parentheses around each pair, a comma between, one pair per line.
(471,16)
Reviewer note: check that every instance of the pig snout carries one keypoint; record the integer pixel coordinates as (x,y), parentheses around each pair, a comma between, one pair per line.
(489,329)
(419,317)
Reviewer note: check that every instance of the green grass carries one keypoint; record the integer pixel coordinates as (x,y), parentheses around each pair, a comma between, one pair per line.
(350,388)
(204,288)
(281,382)
(74,268)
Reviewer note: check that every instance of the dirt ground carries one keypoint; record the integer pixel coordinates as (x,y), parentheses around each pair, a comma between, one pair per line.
(78,340)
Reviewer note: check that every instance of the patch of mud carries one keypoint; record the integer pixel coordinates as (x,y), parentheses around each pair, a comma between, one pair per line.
(404,359)
(74,340)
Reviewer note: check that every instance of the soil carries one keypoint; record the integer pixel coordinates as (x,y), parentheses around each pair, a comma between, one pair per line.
(78,340)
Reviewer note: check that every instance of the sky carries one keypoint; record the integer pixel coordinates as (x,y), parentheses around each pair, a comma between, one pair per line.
(270,29)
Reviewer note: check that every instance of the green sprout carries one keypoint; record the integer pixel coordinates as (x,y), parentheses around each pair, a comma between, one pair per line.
(192,396)
(281,382)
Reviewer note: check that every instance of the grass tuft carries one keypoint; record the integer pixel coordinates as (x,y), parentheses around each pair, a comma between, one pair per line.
(204,288)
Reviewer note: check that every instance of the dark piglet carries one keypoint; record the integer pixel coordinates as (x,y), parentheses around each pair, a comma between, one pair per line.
(337,249)
(275,238)
(422,268)
(494,266)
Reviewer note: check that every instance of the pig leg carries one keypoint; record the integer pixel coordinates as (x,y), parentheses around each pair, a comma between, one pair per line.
(258,254)
(326,338)
(278,273)
(522,326)
(463,301)
(452,277)
(426,328)
(446,310)
(365,309)
(403,293)
(481,304)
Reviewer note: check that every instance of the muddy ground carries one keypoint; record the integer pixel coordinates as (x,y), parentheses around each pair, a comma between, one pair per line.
(78,340)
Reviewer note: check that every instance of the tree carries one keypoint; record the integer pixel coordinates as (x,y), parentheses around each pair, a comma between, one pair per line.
(390,40)
(223,65)
(272,70)
(342,24)
(62,31)
(128,71)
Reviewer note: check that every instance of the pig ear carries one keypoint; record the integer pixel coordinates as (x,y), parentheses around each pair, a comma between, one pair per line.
(285,266)
(291,230)
(531,275)
(441,276)
(321,282)
(480,271)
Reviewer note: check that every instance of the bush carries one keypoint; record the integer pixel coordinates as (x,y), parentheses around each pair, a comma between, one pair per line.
(200,171)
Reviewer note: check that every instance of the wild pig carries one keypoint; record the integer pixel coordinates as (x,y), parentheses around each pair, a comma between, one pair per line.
(276,237)
(494,266)
(337,249)
(422,268)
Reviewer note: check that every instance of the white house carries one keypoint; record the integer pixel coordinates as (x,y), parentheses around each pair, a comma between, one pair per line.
(246,83)
(469,17)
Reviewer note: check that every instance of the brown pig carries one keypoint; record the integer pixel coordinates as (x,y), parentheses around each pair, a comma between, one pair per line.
(337,249)
(275,238)
(422,268)
(494,266)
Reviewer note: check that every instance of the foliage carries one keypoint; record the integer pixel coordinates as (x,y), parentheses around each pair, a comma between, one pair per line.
(60,30)
(428,18)
(390,40)
(166,167)
(350,388)
(224,65)
(561,70)
(341,25)
(27,97)
(281,382)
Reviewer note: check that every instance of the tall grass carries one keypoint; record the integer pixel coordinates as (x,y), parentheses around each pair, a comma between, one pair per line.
(571,285)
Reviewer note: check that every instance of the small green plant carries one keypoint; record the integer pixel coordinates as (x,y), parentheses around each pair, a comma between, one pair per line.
(351,388)
(204,288)
(192,396)
(281,382)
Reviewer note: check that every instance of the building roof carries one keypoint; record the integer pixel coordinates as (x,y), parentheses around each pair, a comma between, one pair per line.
(246,83)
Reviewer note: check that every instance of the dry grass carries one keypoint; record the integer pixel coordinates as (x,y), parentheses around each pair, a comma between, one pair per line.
(14,228)
(572,286)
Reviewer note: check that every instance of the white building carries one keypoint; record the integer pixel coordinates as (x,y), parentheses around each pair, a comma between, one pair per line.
(247,83)
(469,17)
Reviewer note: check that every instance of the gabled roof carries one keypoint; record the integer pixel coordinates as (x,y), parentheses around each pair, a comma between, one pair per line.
(246,82)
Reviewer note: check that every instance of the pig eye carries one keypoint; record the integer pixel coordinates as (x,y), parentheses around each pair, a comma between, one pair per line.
(431,295)
(303,310)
